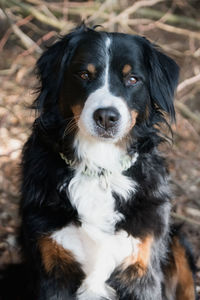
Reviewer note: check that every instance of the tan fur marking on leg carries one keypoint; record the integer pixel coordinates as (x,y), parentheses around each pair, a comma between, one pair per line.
(185,285)
(144,253)
(54,255)
(170,277)
(136,265)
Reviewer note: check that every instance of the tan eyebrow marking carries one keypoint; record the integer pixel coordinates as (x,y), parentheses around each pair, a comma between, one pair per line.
(126,69)
(91,68)
(76,109)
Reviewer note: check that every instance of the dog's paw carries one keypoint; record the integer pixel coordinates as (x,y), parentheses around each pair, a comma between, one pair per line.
(105,293)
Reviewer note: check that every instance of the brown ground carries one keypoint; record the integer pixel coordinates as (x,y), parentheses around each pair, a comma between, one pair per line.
(17,81)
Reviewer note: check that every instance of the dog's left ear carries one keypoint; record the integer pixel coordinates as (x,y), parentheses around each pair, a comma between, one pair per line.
(163,80)
(51,67)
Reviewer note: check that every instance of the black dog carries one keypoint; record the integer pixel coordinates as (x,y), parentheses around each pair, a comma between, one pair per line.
(95,198)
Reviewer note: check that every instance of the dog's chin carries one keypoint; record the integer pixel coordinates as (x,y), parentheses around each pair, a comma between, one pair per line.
(104,136)
(97,133)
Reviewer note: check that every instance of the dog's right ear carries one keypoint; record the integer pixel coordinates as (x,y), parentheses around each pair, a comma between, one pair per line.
(51,66)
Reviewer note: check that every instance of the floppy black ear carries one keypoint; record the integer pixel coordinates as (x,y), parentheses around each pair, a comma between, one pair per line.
(51,66)
(163,80)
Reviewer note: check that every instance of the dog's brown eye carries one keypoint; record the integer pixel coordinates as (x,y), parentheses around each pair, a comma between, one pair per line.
(84,75)
(130,80)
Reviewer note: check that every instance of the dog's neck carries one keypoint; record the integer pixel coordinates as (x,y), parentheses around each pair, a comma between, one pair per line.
(101,154)
(99,158)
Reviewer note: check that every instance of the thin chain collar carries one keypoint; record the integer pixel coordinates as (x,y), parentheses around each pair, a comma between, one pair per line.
(102,174)
(126,162)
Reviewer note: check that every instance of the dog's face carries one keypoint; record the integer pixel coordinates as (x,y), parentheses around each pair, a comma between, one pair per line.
(108,82)
(107,85)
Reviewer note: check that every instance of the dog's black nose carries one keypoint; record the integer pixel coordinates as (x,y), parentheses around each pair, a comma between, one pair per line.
(106,117)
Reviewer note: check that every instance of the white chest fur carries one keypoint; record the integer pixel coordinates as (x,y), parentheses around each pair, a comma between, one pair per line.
(92,195)
(99,254)
(95,244)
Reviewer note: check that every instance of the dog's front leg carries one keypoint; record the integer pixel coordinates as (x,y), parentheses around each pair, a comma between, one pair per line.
(94,286)
(60,274)
(138,277)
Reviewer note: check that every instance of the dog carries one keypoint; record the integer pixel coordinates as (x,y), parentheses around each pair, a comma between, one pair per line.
(95,200)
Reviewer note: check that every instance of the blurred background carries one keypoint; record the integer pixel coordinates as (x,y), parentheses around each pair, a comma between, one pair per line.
(28,27)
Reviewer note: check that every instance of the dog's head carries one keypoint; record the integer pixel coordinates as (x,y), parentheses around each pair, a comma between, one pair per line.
(105,85)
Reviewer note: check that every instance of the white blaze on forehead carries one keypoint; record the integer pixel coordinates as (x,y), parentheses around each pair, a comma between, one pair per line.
(108,43)
(103,98)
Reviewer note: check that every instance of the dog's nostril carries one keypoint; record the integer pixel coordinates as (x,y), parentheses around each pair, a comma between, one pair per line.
(106,117)
(112,119)
(100,118)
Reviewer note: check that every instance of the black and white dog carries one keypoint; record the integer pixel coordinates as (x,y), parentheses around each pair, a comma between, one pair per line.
(95,198)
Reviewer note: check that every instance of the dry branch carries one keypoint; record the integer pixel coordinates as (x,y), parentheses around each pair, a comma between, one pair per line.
(187,82)
(26,40)
(169,18)
(42,39)
(123,16)
(177,30)
(29,9)
(185,219)
(9,30)
(99,12)
(193,211)
(187,113)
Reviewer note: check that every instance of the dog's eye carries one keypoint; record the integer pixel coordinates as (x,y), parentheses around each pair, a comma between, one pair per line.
(130,80)
(84,75)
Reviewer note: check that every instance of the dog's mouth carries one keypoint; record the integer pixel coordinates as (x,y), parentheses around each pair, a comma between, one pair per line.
(106,134)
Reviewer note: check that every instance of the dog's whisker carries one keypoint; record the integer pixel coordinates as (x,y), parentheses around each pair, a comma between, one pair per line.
(69,129)
(72,125)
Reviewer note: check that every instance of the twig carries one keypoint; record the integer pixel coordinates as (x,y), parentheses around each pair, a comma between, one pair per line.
(188,82)
(48,13)
(130,10)
(26,40)
(11,71)
(193,211)
(5,38)
(77,10)
(178,30)
(147,12)
(59,24)
(186,112)
(185,219)
(178,53)
(45,37)
(87,4)
(9,31)
(101,9)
